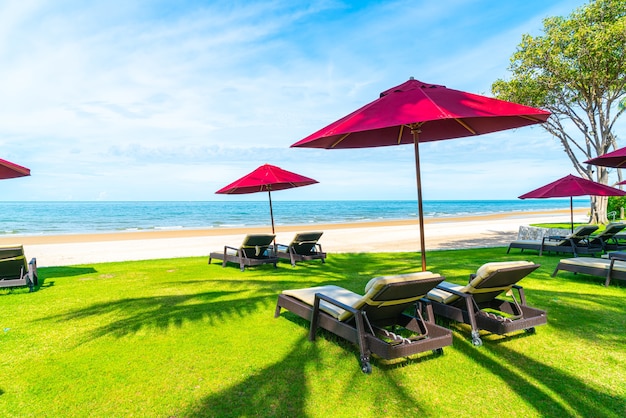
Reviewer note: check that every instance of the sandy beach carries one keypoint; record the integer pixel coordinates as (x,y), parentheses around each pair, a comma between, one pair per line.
(388,236)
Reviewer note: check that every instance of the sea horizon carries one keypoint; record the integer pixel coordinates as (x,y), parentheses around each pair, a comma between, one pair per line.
(24,218)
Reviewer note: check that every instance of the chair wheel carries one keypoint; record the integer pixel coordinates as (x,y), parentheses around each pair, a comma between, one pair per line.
(530,330)
(438,352)
(477,341)
(366,367)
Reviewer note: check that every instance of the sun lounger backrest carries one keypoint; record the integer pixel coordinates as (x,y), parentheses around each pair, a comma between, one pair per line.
(609,232)
(254,245)
(582,232)
(303,243)
(388,296)
(492,279)
(12,262)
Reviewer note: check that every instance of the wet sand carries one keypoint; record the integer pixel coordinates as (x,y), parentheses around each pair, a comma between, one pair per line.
(384,236)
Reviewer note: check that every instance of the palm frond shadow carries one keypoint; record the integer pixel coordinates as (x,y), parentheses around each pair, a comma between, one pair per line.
(161,312)
(518,368)
(277,390)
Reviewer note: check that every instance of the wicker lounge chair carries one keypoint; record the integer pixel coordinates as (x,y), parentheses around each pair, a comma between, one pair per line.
(612,267)
(254,251)
(478,305)
(14,271)
(577,242)
(609,239)
(304,246)
(376,322)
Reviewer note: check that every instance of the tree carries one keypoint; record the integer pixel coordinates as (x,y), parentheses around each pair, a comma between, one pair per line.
(577,71)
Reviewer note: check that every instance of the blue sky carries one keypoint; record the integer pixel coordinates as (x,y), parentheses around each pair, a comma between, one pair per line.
(171,100)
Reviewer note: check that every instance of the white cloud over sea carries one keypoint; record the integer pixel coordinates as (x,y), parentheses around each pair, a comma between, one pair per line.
(171,100)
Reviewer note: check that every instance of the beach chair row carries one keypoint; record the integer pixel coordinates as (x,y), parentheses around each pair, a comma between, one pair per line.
(380,322)
(259,249)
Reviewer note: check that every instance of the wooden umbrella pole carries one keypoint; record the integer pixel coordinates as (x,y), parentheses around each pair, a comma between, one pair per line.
(571,212)
(269,194)
(415,131)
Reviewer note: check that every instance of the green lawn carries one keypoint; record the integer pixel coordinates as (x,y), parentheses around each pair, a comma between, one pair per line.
(180,338)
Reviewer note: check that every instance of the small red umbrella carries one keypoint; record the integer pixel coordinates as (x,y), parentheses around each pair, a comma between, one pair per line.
(9,170)
(570,186)
(616,159)
(415,112)
(266,178)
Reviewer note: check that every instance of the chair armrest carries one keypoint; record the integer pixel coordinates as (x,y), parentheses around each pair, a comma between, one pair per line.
(618,255)
(555,237)
(454,292)
(332,301)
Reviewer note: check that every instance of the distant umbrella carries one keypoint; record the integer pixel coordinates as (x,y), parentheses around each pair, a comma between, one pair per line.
(415,112)
(615,159)
(9,170)
(570,186)
(267,178)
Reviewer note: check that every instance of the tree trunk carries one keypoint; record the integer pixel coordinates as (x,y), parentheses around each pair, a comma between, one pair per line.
(598,210)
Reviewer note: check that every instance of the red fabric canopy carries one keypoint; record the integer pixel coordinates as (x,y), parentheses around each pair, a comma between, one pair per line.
(436,111)
(415,112)
(569,186)
(9,170)
(616,159)
(265,178)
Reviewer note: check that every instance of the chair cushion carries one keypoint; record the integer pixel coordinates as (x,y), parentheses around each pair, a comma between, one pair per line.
(307,295)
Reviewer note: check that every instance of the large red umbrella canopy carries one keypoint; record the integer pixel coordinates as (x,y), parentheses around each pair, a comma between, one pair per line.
(570,186)
(266,178)
(9,170)
(415,112)
(616,159)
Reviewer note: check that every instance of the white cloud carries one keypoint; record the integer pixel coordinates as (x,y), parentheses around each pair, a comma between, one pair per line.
(171,101)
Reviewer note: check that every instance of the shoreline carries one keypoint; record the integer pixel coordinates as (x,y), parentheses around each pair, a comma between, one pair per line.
(199,232)
(473,231)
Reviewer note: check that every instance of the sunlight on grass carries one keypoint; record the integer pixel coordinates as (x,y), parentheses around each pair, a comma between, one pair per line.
(182,338)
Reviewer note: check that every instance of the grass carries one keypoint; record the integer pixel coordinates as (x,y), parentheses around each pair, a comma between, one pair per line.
(179,338)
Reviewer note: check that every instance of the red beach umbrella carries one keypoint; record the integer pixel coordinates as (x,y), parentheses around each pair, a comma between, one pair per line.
(9,170)
(616,159)
(415,112)
(266,178)
(570,186)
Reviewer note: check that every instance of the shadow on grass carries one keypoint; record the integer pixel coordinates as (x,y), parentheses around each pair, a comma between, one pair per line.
(279,390)
(589,316)
(550,391)
(542,386)
(162,312)
(282,389)
(70,271)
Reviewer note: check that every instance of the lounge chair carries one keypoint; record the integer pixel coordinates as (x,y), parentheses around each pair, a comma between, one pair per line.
(608,239)
(477,303)
(372,321)
(577,242)
(304,246)
(613,267)
(254,251)
(14,271)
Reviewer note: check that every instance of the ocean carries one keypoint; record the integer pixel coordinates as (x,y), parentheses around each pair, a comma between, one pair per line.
(58,218)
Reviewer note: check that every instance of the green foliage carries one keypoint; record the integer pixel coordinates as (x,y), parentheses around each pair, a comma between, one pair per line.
(615,203)
(182,338)
(580,59)
(577,70)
